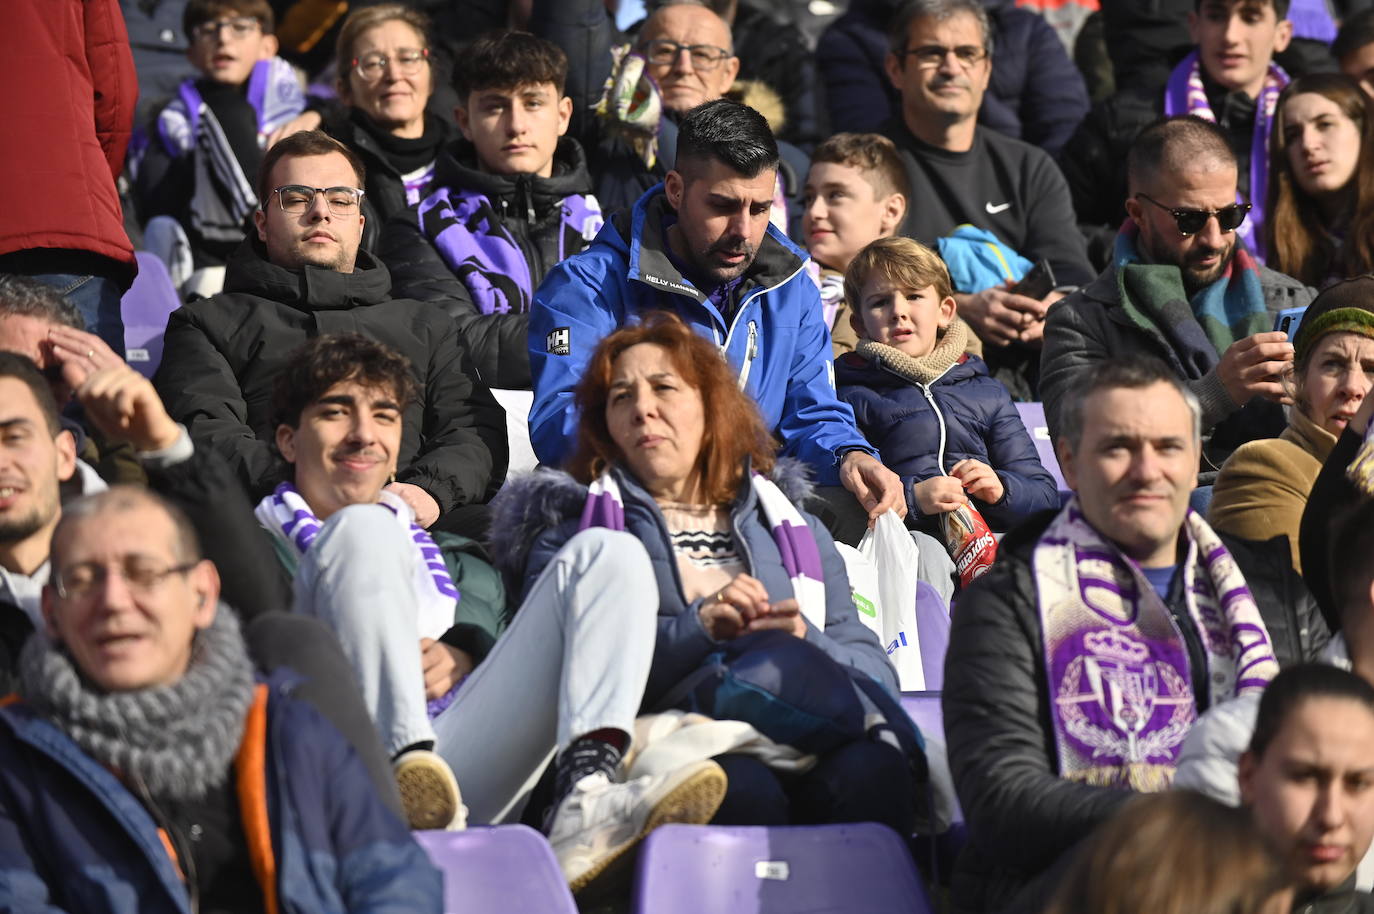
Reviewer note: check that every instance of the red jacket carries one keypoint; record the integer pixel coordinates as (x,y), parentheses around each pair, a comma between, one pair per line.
(67,111)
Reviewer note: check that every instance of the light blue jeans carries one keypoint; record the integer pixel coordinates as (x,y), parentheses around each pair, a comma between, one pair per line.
(575,658)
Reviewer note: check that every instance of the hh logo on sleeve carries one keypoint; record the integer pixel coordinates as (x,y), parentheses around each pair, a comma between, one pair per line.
(559,341)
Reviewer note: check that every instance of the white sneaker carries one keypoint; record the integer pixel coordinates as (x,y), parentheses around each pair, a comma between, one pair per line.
(599,820)
(429,791)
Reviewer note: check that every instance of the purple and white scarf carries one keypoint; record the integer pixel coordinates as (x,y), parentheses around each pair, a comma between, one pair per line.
(480,251)
(1120,680)
(289,519)
(1185,95)
(796,543)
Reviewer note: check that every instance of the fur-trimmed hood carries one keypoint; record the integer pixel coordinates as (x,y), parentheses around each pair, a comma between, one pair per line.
(762,98)
(530,503)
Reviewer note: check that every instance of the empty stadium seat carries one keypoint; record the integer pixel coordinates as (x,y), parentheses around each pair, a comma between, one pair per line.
(862,868)
(1033,418)
(500,870)
(145,309)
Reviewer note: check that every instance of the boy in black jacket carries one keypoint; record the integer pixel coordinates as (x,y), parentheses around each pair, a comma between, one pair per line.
(512,199)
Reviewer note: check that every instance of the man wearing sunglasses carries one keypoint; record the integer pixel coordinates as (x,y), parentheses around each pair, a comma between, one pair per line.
(1183,286)
(960,173)
(1229,77)
(302,274)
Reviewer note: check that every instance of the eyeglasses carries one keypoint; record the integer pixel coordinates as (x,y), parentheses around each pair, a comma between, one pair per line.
(141,576)
(408,62)
(1192,221)
(239,27)
(297,198)
(930,56)
(663,52)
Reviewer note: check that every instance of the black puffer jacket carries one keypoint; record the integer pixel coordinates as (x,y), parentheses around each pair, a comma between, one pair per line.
(1021,815)
(223,353)
(527,208)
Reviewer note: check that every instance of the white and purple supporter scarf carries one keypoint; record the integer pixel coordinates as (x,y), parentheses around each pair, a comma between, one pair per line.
(287,517)
(1120,680)
(1185,94)
(796,543)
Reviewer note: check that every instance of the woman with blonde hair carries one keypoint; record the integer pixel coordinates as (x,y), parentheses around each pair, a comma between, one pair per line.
(1175,853)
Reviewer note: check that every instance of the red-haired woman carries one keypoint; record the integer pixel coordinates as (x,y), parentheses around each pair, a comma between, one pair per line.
(671,453)
(1321,195)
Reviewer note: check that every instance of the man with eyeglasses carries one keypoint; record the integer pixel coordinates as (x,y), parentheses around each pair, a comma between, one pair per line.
(193,183)
(964,174)
(689,58)
(1183,286)
(302,274)
(146,767)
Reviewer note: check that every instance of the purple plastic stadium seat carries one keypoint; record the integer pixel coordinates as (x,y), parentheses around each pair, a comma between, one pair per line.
(924,709)
(1033,418)
(932,627)
(862,868)
(501,870)
(145,309)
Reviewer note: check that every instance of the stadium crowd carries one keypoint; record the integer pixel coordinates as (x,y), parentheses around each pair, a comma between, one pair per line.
(373,373)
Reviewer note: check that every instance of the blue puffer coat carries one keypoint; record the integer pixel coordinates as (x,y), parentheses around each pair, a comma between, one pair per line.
(921,431)
(535,515)
(73,838)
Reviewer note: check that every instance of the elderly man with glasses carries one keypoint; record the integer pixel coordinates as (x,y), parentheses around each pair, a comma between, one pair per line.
(683,56)
(964,174)
(1182,285)
(304,274)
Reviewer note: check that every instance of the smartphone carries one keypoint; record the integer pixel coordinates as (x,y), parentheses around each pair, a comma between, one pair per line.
(1289,320)
(1037,283)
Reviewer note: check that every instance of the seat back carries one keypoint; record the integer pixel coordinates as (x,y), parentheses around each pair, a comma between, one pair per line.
(145,308)
(862,868)
(1033,418)
(498,870)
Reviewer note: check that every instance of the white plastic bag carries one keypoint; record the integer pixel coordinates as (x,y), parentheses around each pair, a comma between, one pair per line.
(892,556)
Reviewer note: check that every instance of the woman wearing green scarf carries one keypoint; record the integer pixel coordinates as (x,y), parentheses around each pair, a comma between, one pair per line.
(1263,488)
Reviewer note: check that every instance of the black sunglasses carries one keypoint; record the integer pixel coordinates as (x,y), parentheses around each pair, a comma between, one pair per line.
(1192,221)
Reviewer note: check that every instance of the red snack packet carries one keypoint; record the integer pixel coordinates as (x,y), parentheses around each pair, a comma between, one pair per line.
(970,542)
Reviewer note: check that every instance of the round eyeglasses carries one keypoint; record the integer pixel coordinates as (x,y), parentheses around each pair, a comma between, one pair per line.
(407,62)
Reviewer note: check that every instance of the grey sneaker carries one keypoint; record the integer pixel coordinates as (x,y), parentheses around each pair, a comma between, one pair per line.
(429,791)
(599,820)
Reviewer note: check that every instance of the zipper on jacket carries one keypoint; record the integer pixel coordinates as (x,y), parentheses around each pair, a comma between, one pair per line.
(527,249)
(184,859)
(940,417)
(750,353)
(739,312)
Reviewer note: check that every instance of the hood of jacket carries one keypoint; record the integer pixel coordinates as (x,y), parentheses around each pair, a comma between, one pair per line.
(310,288)
(532,502)
(762,98)
(638,234)
(457,169)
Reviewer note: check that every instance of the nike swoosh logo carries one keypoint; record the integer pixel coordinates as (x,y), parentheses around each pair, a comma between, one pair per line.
(994,210)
